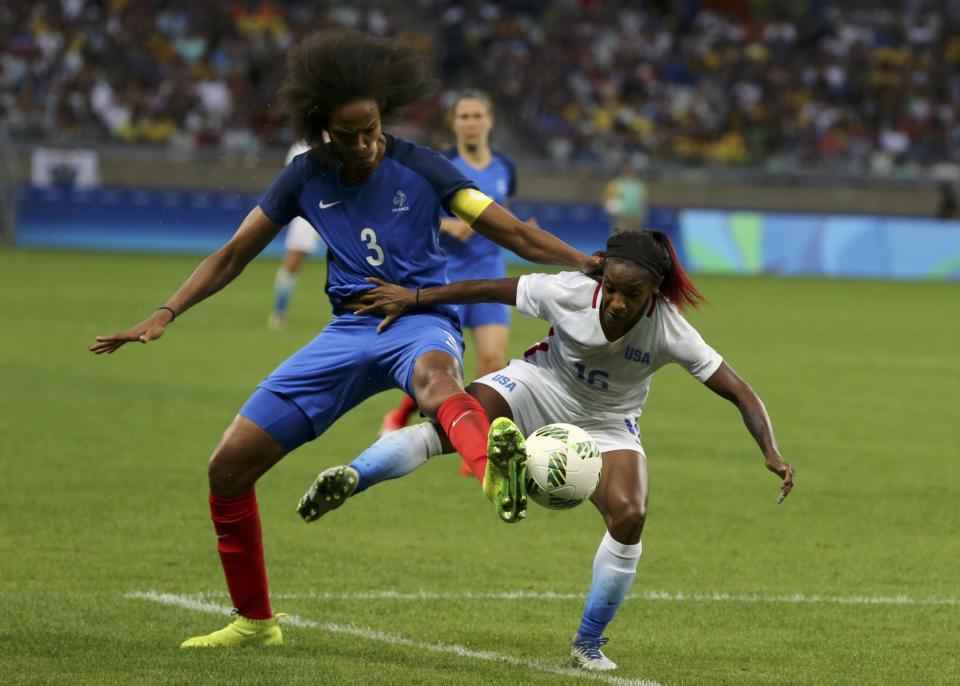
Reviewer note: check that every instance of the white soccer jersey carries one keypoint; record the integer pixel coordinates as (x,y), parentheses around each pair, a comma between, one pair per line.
(607,376)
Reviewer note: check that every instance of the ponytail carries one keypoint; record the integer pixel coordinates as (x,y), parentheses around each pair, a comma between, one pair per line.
(676,284)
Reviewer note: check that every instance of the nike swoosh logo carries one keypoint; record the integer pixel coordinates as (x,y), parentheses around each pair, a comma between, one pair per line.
(329,204)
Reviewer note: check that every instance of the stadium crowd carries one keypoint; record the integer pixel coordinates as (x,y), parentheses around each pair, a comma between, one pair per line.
(830,86)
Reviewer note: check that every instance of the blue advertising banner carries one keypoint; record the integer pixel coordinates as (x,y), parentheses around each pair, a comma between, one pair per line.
(708,241)
(833,245)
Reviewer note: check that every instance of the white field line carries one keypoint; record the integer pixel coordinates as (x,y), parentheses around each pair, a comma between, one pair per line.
(196,602)
(796,598)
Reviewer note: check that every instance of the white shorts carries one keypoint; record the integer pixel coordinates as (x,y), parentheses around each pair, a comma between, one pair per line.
(536,398)
(301,236)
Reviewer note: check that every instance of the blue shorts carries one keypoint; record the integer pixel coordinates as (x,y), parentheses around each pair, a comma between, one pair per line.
(480,314)
(343,366)
(483,314)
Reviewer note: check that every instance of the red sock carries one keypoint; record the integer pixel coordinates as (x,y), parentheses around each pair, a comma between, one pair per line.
(240,544)
(466,425)
(407,407)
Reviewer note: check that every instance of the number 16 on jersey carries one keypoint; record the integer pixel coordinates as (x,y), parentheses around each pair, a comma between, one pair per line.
(594,377)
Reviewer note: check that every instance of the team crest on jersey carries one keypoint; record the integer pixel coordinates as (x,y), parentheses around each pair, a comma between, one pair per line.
(400,202)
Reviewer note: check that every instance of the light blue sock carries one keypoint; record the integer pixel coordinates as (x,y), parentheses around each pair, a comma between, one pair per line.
(614,569)
(282,290)
(396,454)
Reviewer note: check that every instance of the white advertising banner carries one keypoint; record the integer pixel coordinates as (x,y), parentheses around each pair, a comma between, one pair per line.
(71,168)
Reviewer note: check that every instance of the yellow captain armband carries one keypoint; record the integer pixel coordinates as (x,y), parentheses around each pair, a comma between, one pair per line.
(468,204)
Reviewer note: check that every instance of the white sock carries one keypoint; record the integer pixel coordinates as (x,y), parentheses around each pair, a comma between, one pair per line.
(614,569)
(282,290)
(396,454)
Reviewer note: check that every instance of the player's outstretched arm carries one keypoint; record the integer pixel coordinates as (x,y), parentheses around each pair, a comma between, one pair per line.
(531,242)
(392,300)
(215,272)
(727,383)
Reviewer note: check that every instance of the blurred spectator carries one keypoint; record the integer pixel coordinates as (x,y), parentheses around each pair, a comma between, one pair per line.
(187,73)
(625,200)
(948,207)
(8,188)
(850,86)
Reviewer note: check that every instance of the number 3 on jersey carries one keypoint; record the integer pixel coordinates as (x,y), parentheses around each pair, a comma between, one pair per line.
(369,237)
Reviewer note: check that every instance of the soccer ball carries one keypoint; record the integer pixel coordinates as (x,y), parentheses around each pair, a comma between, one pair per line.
(563,466)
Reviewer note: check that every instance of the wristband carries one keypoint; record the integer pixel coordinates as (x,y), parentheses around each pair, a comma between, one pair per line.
(173,315)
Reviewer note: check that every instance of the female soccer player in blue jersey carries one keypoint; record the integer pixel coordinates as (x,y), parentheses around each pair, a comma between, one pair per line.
(376,201)
(593,370)
(471,255)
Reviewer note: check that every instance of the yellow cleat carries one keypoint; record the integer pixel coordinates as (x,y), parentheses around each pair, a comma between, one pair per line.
(329,491)
(241,632)
(504,482)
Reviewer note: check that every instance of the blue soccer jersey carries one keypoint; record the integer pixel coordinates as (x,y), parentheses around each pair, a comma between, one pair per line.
(478,255)
(387,226)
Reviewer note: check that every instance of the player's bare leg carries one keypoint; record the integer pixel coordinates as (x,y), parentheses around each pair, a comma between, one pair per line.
(490,343)
(244,454)
(283,287)
(621,497)
(439,393)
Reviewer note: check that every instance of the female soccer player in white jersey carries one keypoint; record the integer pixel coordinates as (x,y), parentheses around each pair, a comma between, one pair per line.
(593,370)
(376,201)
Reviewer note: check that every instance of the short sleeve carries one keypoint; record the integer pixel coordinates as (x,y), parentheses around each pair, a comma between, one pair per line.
(553,296)
(281,202)
(444,178)
(685,346)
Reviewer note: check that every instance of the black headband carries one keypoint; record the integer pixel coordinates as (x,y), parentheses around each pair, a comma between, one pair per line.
(641,247)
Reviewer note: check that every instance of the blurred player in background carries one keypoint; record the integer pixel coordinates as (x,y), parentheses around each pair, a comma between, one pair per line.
(625,199)
(301,242)
(469,254)
(376,201)
(593,370)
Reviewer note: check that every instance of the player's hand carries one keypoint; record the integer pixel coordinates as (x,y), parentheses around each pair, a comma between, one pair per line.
(148,330)
(458,229)
(592,266)
(387,299)
(781,468)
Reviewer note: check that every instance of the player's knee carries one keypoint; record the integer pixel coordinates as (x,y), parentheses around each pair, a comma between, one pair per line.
(489,363)
(437,387)
(225,472)
(627,520)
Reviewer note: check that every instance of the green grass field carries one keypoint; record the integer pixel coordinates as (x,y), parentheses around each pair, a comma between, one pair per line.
(854,580)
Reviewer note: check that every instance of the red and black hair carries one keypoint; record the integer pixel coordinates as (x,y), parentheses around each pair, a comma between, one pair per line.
(654,251)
